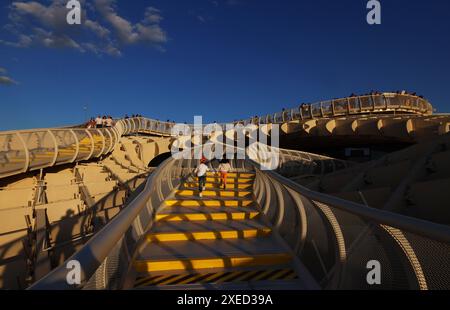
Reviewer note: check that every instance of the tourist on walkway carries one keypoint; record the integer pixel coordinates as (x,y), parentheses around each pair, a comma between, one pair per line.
(98,122)
(91,123)
(224,168)
(109,122)
(104,121)
(200,171)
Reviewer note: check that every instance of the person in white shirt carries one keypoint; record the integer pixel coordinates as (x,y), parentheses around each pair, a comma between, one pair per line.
(224,168)
(200,171)
(109,121)
(98,122)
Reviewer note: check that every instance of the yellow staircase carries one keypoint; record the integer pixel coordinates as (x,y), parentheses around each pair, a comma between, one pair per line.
(219,241)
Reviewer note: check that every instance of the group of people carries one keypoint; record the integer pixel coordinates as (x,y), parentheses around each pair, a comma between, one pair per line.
(404,92)
(202,169)
(132,116)
(100,122)
(107,121)
(398,92)
(371,93)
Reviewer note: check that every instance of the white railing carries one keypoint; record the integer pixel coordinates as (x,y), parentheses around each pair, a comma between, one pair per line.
(28,150)
(379,103)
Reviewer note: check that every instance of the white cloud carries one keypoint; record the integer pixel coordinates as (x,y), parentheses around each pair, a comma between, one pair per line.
(153,15)
(22,41)
(201,19)
(53,16)
(151,34)
(54,40)
(34,23)
(146,31)
(113,51)
(6,80)
(98,29)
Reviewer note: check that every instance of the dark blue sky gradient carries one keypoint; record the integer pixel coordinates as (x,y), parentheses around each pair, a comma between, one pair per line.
(249,57)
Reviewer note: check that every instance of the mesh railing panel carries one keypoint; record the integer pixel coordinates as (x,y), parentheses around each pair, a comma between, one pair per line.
(365,241)
(434,258)
(340,245)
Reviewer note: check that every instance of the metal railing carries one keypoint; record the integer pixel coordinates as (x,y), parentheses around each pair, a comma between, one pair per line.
(28,150)
(22,151)
(334,238)
(105,258)
(379,103)
(115,243)
(295,163)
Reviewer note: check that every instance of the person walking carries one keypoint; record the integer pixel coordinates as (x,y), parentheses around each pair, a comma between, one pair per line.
(91,123)
(224,168)
(200,171)
(109,122)
(98,122)
(104,121)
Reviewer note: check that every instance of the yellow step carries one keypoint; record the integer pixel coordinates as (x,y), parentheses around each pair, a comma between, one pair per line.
(214,262)
(208,203)
(208,235)
(217,185)
(210,193)
(229,180)
(233,175)
(213,216)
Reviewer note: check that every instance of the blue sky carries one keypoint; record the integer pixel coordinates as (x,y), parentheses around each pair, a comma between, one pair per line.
(223,59)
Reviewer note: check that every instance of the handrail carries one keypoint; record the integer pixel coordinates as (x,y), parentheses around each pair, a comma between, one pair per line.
(28,150)
(377,103)
(32,149)
(293,162)
(98,248)
(424,228)
(335,238)
(418,226)
(93,253)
